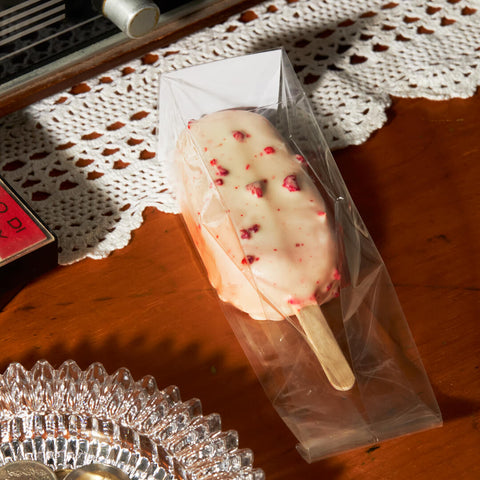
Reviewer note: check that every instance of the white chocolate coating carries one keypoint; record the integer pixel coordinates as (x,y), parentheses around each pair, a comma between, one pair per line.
(255,216)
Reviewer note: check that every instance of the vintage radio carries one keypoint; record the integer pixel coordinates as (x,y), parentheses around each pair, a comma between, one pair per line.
(45,42)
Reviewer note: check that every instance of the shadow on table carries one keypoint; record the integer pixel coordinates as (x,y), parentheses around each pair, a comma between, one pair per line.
(234,393)
(60,183)
(454,408)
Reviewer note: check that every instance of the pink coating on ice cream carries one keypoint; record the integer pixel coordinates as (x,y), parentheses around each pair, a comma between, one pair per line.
(262,232)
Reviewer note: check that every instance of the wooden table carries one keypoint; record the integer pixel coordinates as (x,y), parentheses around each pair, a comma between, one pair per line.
(150,308)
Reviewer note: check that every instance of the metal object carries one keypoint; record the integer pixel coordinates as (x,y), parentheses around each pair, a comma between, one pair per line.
(134,17)
(97,471)
(26,470)
(62,473)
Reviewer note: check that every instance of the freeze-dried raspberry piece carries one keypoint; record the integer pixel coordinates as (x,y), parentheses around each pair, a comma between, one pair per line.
(269,150)
(249,259)
(222,171)
(255,188)
(238,136)
(245,234)
(218,181)
(294,301)
(300,159)
(290,183)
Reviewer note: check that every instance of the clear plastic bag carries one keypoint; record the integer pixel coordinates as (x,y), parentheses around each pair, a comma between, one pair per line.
(305,368)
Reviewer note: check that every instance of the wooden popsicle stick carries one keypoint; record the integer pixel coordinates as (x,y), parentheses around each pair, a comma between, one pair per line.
(326,348)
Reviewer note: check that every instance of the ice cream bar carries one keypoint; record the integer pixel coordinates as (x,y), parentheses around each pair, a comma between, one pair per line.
(260,226)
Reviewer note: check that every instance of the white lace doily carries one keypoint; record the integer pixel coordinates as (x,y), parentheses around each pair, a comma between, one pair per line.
(85,158)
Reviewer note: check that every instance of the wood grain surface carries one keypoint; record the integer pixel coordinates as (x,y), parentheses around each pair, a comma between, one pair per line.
(150,308)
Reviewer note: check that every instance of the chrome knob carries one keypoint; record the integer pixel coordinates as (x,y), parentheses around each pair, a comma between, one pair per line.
(133,17)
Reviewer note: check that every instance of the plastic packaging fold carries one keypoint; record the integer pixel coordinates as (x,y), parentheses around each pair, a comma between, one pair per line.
(378,389)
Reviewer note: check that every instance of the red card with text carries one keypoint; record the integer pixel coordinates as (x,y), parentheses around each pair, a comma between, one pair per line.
(18,230)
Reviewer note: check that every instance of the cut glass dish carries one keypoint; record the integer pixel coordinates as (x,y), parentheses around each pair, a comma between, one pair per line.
(68,417)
